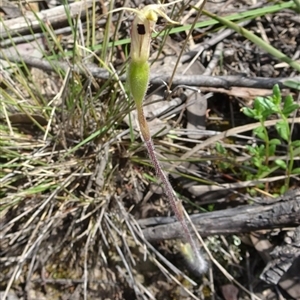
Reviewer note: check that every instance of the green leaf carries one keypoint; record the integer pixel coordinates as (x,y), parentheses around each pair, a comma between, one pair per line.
(273,145)
(281,163)
(251,113)
(292,84)
(252,150)
(283,189)
(267,171)
(290,109)
(211,207)
(272,149)
(296,143)
(224,166)
(258,162)
(262,150)
(220,149)
(275,142)
(260,132)
(276,95)
(267,106)
(257,102)
(288,100)
(263,108)
(283,129)
(289,105)
(258,109)
(296,171)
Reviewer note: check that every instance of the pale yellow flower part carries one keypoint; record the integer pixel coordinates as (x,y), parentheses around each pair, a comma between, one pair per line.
(142,28)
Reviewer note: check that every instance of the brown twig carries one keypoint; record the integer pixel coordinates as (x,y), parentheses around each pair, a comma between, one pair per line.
(192,80)
(285,213)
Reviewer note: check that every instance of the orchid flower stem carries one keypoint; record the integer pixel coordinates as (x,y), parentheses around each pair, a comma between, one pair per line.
(176,207)
(197,263)
(138,80)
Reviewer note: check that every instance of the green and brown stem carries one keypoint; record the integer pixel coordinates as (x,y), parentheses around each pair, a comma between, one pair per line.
(138,80)
(198,262)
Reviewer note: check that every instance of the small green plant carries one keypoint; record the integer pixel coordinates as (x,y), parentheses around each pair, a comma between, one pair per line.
(265,107)
(138,79)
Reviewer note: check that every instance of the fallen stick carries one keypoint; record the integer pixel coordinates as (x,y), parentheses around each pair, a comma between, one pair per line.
(226,82)
(280,212)
(54,17)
